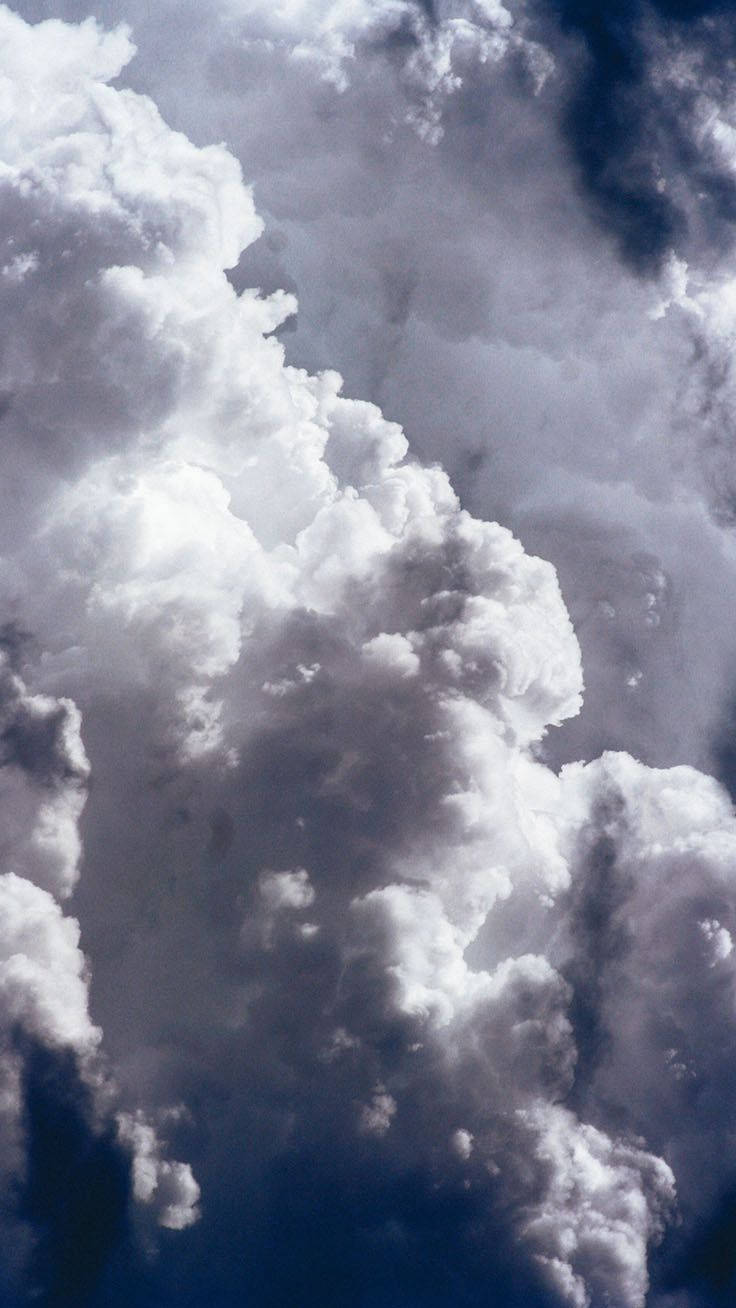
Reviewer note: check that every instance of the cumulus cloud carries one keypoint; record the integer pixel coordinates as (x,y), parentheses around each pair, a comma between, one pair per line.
(471,289)
(55,1091)
(431,44)
(170,1186)
(42,785)
(442,1017)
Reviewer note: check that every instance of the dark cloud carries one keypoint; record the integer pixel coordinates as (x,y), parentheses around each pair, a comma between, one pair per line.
(36,744)
(632,127)
(77,1189)
(600,938)
(338,1232)
(724,750)
(702,1265)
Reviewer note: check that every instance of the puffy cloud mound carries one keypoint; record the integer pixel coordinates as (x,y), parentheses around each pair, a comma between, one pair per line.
(436,1012)
(433,43)
(56,1096)
(42,785)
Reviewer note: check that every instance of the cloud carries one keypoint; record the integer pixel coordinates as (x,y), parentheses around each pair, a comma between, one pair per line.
(65,1165)
(467,288)
(170,1186)
(75,1191)
(42,785)
(636,118)
(440,1016)
(430,45)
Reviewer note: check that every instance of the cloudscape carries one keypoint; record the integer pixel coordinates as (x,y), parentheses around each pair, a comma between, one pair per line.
(368,654)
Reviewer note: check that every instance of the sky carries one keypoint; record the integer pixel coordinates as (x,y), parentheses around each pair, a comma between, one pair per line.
(367,649)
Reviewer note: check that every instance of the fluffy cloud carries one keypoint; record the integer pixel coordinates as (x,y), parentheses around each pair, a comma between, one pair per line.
(42,785)
(467,289)
(170,1186)
(441,1016)
(436,43)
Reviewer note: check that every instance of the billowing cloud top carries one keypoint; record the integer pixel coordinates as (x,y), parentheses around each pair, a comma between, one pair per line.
(430,1020)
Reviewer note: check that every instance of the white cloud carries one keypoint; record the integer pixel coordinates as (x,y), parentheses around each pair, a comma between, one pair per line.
(718,937)
(169,1187)
(461,1142)
(605,1204)
(292,648)
(375,1118)
(287,889)
(42,972)
(329,34)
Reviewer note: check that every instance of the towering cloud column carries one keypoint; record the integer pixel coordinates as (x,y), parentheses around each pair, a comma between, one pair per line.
(386,971)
